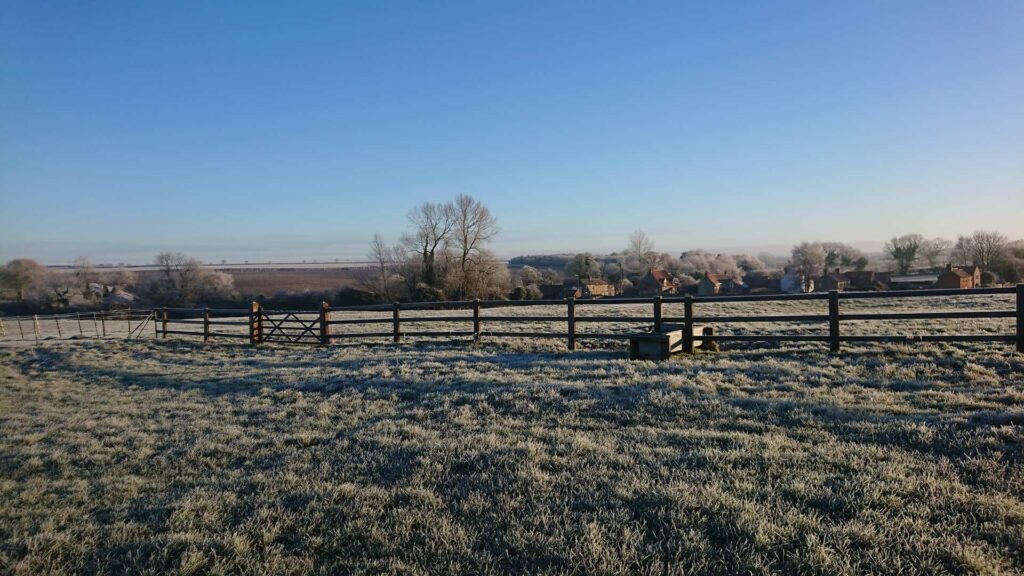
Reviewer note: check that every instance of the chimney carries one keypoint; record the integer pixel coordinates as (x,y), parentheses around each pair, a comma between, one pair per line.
(837,270)
(949,266)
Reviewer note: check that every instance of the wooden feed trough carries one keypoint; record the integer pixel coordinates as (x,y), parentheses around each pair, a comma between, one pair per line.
(661,345)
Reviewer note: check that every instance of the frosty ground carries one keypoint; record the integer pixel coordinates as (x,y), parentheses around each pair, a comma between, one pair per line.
(511,457)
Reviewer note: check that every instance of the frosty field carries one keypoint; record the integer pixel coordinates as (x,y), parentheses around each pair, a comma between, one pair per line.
(433,456)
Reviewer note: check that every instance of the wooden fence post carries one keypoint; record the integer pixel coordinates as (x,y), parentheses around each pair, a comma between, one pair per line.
(20,329)
(56,321)
(476,321)
(688,324)
(255,323)
(96,326)
(206,324)
(164,324)
(35,326)
(156,324)
(657,314)
(833,321)
(129,316)
(1020,318)
(396,334)
(2,332)
(571,317)
(325,327)
(78,316)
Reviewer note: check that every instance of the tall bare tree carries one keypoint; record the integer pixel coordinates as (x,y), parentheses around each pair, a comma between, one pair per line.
(963,251)
(988,248)
(839,255)
(386,261)
(432,228)
(474,228)
(934,250)
(641,247)
(904,251)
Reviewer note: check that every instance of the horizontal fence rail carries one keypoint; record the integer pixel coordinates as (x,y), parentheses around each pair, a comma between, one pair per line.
(468,318)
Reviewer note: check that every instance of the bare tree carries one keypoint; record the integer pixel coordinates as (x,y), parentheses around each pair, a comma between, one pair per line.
(120,279)
(904,251)
(473,230)
(432,227)
(933,251)
(808,258)
(839,255)
(386,261)
(641,247)
(963,251)
(988,248)
(84,275)
(182,279)
(58,287)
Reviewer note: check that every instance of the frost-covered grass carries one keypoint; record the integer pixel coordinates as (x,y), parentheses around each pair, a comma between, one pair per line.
(512,457)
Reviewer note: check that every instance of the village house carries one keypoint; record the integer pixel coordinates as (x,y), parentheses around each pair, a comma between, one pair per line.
(712,284)
(834,281)
(588,288)
(763,280)
(656,283)
(959,277)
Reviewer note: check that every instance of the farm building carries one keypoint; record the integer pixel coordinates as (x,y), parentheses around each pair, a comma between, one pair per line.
(712,284)
(834,281)
(761,280)
(862,279)
(912,281)
(552,291)
(655,283)
(956,277)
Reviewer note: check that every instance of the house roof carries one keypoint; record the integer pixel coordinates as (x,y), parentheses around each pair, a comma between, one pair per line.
(960,272)
(837,276)
(719,278)
(661,275)
(971,269)
(862,274)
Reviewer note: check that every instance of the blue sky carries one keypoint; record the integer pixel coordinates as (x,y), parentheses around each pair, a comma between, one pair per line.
(263,131)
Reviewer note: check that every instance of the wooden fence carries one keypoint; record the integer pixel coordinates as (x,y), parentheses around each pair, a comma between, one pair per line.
(125,323)
(315,327)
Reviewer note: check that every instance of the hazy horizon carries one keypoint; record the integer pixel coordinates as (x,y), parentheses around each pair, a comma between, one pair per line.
(270,133)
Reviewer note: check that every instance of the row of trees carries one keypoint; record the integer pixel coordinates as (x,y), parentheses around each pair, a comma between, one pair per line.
(26,280)
(178,280)
(445,254)
(990,250)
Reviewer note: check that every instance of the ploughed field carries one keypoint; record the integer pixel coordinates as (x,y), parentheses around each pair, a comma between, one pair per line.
(434,456)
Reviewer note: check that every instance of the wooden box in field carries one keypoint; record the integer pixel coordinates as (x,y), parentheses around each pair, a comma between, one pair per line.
(698,331)
(661,345)
(657,346)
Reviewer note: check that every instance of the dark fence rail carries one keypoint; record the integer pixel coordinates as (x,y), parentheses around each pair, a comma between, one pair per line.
(259,325)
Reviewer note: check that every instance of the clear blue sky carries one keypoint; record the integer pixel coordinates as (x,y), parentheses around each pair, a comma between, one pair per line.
(297,130)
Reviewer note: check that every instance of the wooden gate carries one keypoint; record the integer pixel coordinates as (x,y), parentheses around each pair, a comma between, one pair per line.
(290,328)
